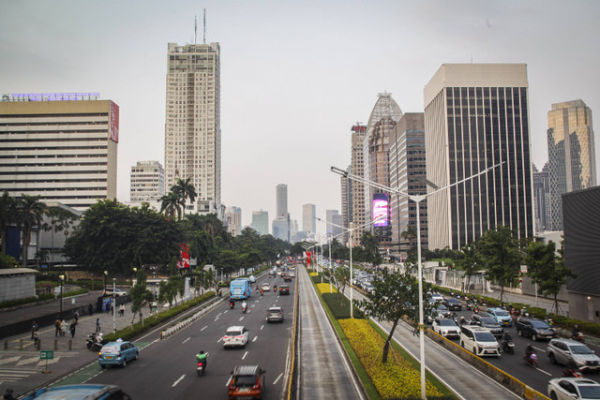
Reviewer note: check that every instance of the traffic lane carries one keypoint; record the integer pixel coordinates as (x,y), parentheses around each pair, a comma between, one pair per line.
(324,371)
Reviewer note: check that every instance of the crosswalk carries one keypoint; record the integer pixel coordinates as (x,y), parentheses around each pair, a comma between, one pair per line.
(16,367)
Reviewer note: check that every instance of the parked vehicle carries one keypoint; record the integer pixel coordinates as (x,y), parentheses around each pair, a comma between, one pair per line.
(240,289)
(246,381)
(573,354)
(275,314)
(446,327)
(79,392)
(573,388)
(235,336)
(534,329)
(500,315)
(479,341)
(117,353)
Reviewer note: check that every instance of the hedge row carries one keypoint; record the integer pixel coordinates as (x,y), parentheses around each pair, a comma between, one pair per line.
(340,306)
(75,292)
(18,302)
(136,329)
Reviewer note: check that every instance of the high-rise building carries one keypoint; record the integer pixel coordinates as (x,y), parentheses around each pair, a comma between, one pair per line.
(333,218)
(192,123)
(384,116)
(260,222)
(281,228)
(309,212)
(282,200)
(541,196)
(476,116)
(346,187)
(571,154)
(233,220)
(147,182)
(407,174)
(359,132)
(60,150)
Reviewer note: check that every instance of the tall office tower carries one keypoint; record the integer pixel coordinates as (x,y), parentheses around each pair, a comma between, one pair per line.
(359,132)
(333,218)
(281,228)
(346,187)
(476,116)
(293,230)
(309,212)
(571,154)
(233,220)
(260,222)
(147,181)
(407,173)
(338,221)
(282,200)
(383,119)
(541,196)
(192,123)
(60,150)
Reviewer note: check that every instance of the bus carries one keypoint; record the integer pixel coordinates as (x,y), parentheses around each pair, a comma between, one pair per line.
(240,289)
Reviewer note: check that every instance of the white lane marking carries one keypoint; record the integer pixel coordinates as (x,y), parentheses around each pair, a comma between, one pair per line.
(253,305)
(185,340)
(228,380)
(204,328)
(544,372)
(225,312)
(262,326)
(539,349)
(256,301)
(219,339)
(178,380)
(254,340)
(278,378)
(241,318)
(244,356)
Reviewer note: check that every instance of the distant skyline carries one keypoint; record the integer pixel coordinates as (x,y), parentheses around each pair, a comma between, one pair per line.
(294,76)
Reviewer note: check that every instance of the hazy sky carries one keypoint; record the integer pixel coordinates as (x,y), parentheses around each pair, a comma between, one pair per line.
(295,75)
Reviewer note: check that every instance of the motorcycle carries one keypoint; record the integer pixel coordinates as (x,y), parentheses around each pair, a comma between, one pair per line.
(572,373)
(232,304)
(531,359)
(201,366)
(95,341)
(578,337)
(244,308)
(508,346)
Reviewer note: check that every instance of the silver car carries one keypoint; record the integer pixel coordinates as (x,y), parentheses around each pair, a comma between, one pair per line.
(573,354)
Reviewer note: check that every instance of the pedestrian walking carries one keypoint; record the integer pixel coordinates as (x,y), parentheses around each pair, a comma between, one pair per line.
(63,327)
(122,310)
(34,328)
(57,327)
(90,309)
(76,316)
(72,328)
(97,325)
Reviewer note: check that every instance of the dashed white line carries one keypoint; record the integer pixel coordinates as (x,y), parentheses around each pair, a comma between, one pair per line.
(185,340)
(228,380)
(241,318)
(544,372)
(219,339)
(178,380)
(278,378)
(539,349)
(244,356)
(254,340)
(262,326)
(225,312)
(207,325)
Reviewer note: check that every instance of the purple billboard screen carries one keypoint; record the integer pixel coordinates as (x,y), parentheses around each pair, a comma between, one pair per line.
(380,209)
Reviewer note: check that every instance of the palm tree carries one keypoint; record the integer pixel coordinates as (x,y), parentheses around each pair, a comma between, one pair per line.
(170,205)
(29,214)
(7,216)
(184,189)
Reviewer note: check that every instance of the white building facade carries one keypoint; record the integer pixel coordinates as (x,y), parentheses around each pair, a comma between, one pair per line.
(147,182)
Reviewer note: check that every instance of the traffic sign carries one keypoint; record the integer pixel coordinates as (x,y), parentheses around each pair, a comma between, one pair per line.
(46,355)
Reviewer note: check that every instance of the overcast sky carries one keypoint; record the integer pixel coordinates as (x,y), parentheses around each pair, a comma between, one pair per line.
(295,75)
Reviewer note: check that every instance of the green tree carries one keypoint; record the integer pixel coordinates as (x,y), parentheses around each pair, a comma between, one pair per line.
(341,276)
(371,249)
(184,189)
(170,205)
(29,213)
(7,261)
(139,295)
(547,268)
(468,260)
(7,216)
(500,256)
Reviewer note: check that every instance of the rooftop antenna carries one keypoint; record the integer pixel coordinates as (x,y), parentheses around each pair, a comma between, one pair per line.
(204,28)
(195,28)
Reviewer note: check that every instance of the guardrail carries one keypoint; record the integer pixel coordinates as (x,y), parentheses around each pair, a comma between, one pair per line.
(294,339)
(500,376)
(189,320)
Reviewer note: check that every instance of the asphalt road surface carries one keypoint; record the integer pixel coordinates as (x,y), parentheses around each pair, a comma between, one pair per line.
(167,369)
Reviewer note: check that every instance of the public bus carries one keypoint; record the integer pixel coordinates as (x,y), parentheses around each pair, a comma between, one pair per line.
(240,289)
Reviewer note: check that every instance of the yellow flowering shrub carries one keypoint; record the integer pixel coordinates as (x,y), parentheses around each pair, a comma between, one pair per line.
(324,288)
(312,274)
(395,379)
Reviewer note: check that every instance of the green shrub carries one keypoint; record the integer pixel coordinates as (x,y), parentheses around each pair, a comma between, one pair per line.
(340,306)
(592,328)
(75,292)
(18,302)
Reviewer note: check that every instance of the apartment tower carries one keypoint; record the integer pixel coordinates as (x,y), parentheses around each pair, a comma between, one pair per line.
(147,182)
(192,123)
(308,218)
(476,117)
(357,217)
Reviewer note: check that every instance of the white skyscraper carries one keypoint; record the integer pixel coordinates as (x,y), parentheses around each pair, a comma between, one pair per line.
(308,218)
(192,123)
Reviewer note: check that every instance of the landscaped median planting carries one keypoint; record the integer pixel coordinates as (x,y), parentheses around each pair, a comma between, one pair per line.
(325,288)
(313,274)
(397,379)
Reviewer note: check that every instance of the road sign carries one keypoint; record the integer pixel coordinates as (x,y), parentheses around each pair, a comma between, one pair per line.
(46,355)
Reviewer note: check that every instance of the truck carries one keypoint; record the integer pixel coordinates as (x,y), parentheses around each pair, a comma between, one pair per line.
(240,289)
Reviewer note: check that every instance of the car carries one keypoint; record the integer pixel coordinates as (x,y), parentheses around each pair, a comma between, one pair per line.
(437,297)
(534,329)
(446,327)
(235,336)
(284,289)
(500,315)
(287,278)
(452,304)
(266,287)
(292,274)
(573,388)
(246,381)
(275,314)
(118,292)
(489,323)
(572,353)
(479,341)
(79,392)
(252,279)
(117,353)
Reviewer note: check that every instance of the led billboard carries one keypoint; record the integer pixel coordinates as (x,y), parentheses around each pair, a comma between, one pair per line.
(380,209)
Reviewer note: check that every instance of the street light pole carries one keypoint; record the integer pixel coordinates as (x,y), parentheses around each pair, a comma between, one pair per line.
(330,266)
(114,304)
(62,285)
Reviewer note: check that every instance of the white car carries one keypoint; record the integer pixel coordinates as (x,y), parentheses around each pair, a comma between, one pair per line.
(573,388)
(235,336)
(438,298)
(266,287)
(479,340)
(252,279)
(446,327)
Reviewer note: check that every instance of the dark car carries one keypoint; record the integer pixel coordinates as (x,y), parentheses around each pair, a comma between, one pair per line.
(534,329)
(246,381)
(287,278)
(79,392)
(452,304)
(488,323)
(284,289)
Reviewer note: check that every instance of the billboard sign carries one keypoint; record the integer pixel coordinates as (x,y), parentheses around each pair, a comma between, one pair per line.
(114,122)
(184,256)
(380,209)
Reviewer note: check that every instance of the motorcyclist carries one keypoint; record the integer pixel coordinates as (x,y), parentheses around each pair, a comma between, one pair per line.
(231,303)
(529,351)
(462,320)
(575,332)
(202,357)
(261,292)
(506,337)
(244,305)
